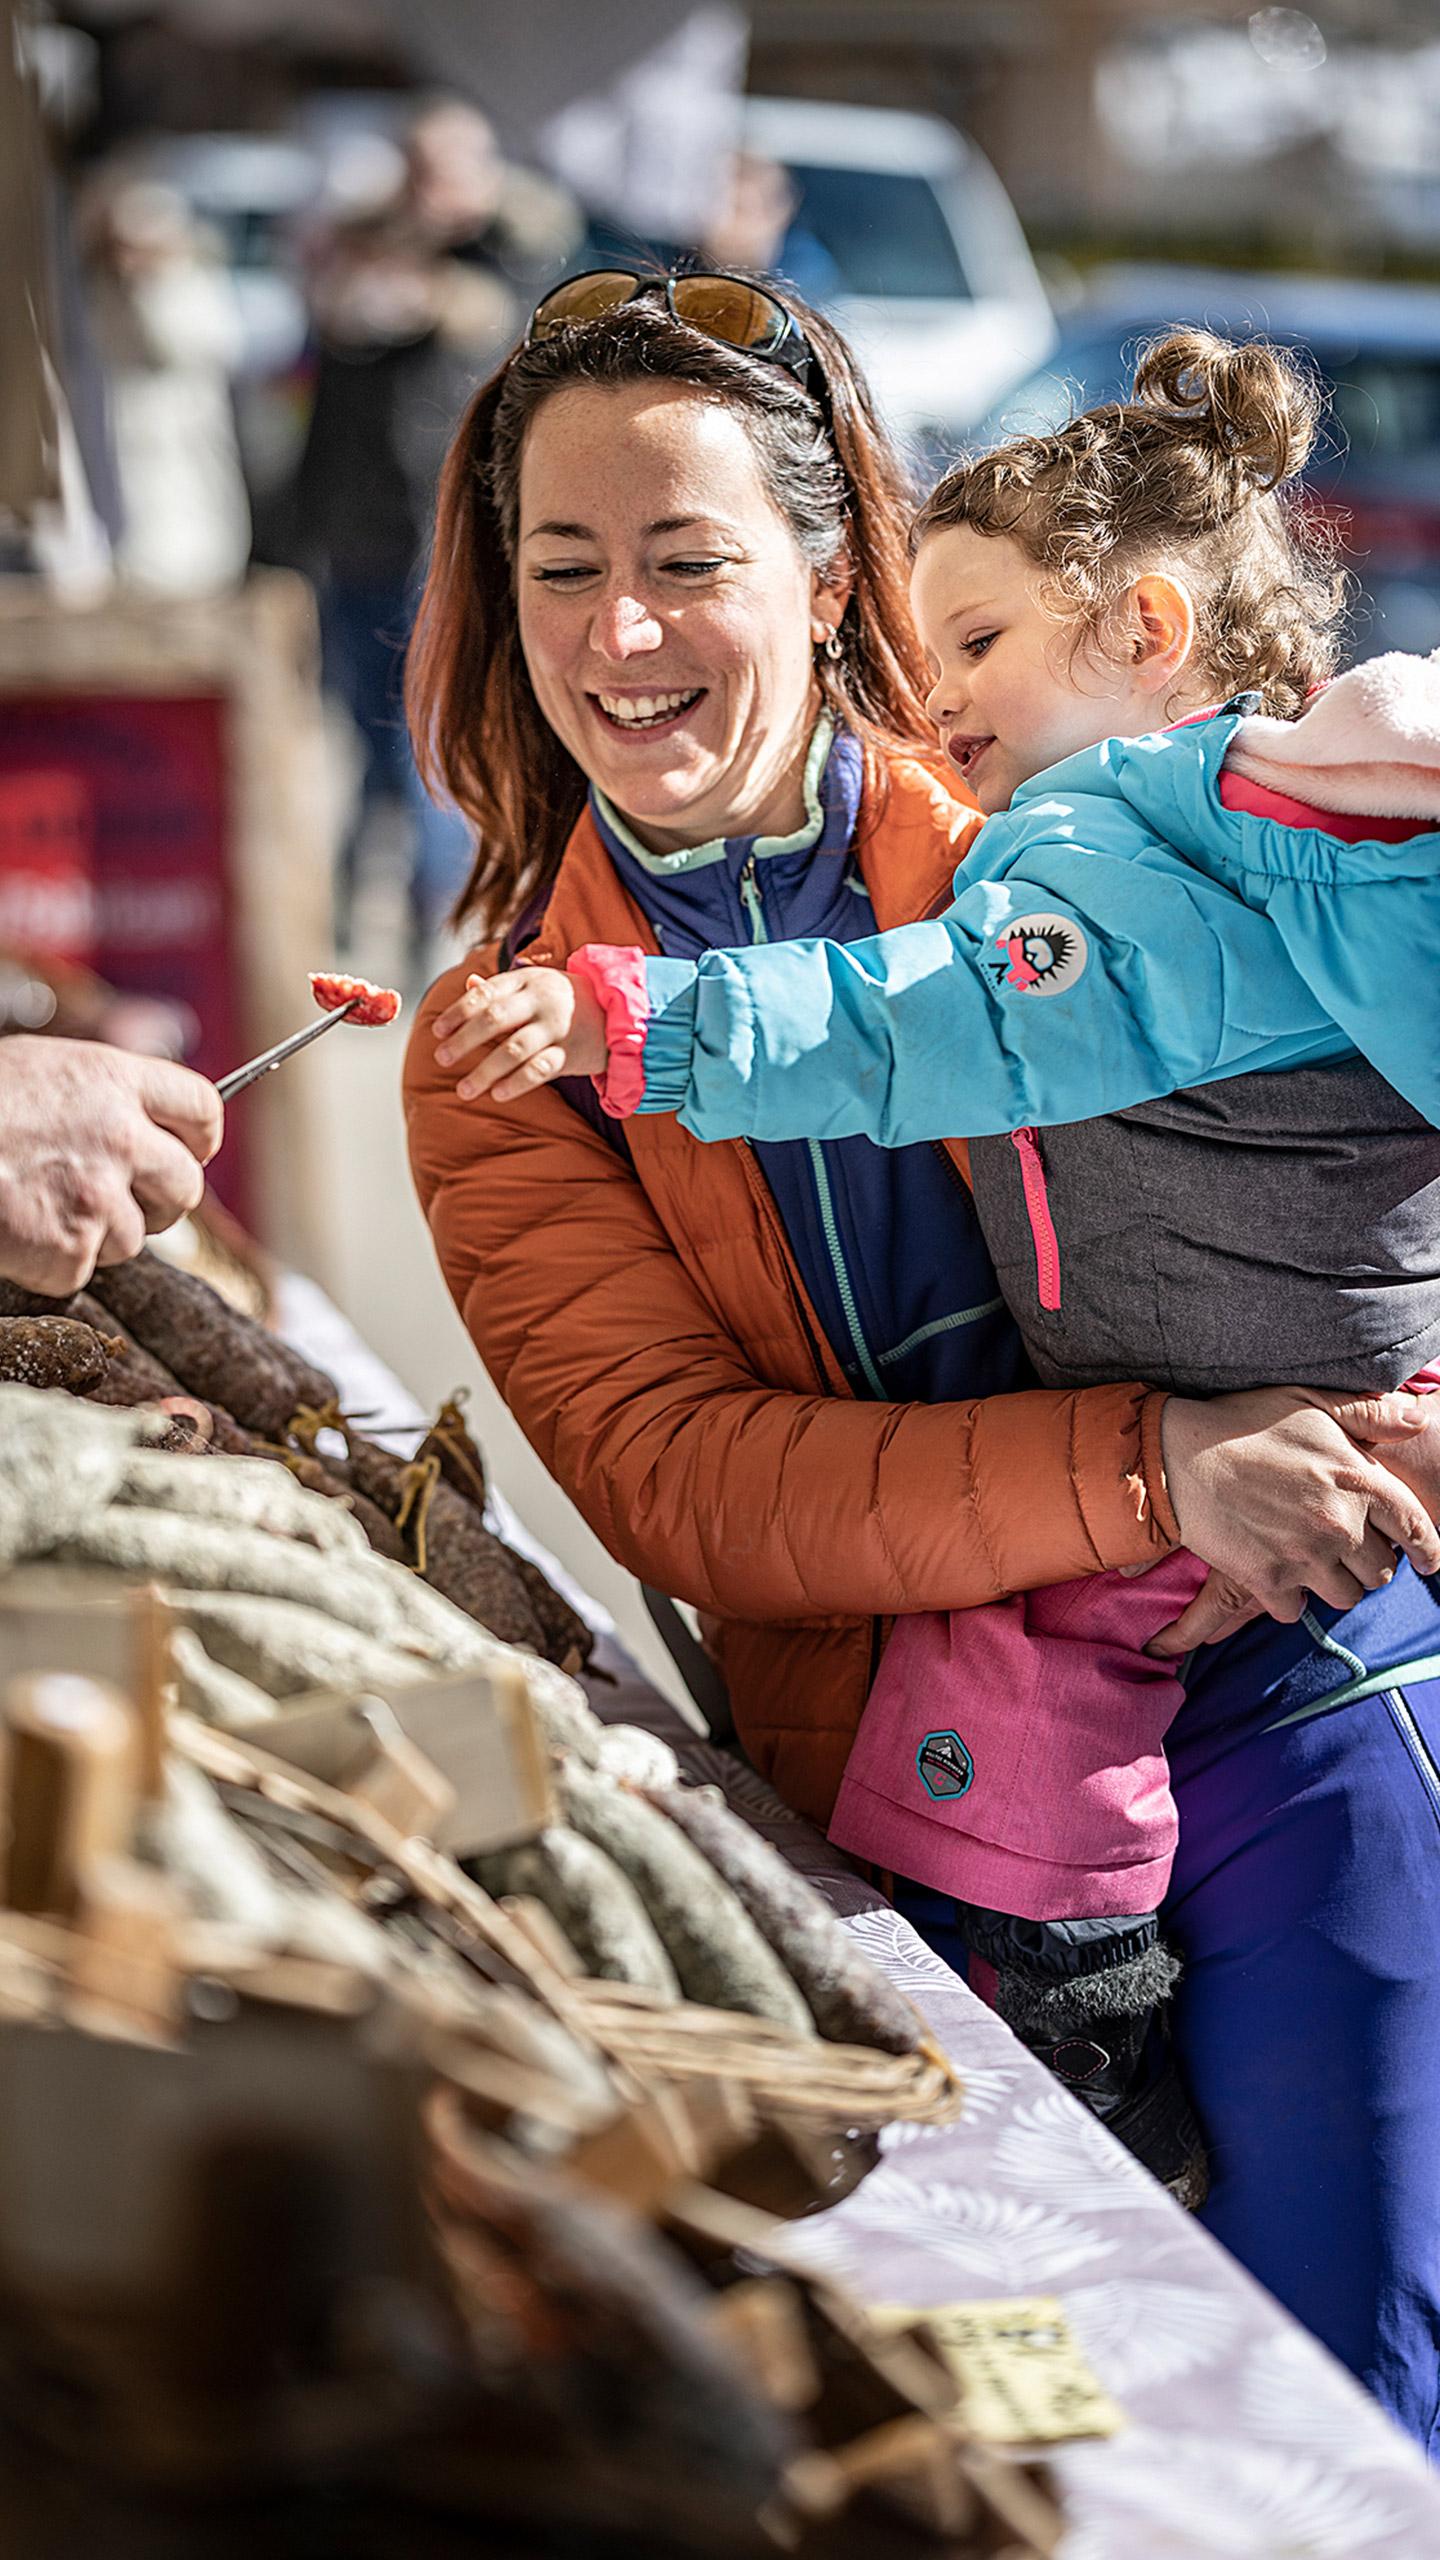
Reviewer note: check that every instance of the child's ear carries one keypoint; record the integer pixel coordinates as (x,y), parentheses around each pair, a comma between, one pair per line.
(1161,629)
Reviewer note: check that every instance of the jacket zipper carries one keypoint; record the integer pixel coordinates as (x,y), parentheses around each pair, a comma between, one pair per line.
(953,1170)
(750,899)
(753,904)
(1026,1143)
(1415,1743)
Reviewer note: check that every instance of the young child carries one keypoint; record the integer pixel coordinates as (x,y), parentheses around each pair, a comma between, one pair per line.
(1162,920)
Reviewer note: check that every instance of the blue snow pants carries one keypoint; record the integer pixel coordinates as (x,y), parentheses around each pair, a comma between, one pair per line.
(1306,1903)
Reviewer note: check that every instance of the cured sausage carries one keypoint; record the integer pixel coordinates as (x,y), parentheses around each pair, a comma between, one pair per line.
(53,1351)
(332,1478)
(373,1005)
(718,1953)
(462,1558)
(564,1636)
(596,1907)
(217,1353)
(851,2002)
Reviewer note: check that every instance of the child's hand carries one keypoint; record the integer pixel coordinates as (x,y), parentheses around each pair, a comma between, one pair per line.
(523,1029)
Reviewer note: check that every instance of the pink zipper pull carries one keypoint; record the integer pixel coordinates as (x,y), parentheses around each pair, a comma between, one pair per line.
(1026,1143)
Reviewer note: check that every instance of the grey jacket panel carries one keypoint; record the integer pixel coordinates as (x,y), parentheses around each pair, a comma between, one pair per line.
(1268,1230)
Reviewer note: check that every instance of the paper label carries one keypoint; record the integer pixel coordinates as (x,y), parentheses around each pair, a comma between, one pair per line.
(1023,2377)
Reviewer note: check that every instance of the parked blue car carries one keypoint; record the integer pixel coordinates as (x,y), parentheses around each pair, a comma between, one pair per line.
(1375,349)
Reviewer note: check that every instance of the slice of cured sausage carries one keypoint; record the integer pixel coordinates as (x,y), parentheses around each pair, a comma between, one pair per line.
(373,1005)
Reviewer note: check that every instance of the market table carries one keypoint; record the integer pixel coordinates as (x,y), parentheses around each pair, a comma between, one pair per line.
(1244,2440)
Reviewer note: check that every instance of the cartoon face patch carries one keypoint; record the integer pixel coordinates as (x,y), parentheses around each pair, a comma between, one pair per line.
(1039,956)
(945,1765)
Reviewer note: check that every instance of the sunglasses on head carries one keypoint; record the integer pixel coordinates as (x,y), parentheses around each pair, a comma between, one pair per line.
(729,309)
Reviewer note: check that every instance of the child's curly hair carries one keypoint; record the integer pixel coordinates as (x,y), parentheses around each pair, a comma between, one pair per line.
(1189,473)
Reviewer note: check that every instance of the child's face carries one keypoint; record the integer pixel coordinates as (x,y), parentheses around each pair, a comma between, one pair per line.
(1012,693)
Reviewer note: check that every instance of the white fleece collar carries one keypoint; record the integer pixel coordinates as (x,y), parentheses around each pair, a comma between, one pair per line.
(1370,744)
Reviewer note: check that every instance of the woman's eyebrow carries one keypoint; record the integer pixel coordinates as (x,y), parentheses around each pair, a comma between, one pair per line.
(565,532)
(964,613)
(586,533)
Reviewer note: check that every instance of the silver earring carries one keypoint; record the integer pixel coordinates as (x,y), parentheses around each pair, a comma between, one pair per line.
(834,647)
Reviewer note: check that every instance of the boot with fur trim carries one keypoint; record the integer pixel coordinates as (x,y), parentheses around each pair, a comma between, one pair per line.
(1105,2036)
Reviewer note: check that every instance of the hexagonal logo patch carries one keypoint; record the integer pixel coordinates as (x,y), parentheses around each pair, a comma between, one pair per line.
(945,1765)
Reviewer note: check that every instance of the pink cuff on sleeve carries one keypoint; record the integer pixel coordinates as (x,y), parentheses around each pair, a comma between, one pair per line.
(616,975)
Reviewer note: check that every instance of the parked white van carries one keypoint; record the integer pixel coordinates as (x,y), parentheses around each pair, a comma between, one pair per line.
(926,267)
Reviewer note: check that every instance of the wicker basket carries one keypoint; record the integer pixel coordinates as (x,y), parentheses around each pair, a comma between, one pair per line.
(785,2076)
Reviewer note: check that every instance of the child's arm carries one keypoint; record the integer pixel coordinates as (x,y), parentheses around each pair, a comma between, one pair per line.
(1152,979)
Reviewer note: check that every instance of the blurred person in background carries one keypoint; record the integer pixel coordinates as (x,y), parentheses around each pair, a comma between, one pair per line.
(410,302)
(753,229)
(167,330)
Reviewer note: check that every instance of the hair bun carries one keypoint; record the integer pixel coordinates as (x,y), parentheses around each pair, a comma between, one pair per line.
(1253,404)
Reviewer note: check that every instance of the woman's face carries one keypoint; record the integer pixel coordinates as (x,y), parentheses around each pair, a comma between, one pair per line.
(667,616)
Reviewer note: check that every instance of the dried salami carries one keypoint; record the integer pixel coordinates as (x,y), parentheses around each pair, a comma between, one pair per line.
(851,2002)
(596,1907)
(373,1005)
(462,1558)
(450,1442)
(332,1478)
(564,1636)
(15,1301)
(134,1377)
(53,1351)
(216,1352)
(718,1953)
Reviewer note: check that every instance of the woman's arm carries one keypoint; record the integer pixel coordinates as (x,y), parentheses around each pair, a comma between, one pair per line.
(750,1499)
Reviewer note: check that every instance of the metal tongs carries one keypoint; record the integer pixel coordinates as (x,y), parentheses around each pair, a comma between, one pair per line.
(270,1059)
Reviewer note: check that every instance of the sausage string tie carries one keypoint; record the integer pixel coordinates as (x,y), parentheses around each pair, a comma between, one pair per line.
(417,1487)
(309,1420)
(448,1431)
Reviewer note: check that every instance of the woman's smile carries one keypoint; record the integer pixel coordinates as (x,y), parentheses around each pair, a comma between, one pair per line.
(647,715)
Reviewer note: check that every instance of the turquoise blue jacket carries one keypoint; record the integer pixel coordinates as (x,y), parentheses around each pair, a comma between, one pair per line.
(1117,935)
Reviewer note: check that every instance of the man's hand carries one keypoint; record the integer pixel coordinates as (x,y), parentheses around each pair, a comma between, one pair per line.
(98,1147)
(523,1029)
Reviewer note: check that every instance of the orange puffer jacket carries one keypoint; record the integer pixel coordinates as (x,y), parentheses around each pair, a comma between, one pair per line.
(647,1326)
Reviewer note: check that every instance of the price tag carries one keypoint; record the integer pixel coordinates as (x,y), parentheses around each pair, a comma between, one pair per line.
(1020,2370)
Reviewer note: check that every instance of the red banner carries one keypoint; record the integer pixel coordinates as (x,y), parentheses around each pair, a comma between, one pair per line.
(115,826)
(47,871)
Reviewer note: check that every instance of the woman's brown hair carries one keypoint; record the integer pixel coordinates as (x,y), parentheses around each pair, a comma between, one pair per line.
(1190,472)
(477,729)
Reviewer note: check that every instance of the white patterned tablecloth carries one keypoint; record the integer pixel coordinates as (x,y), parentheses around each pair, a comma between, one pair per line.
(1245,2440)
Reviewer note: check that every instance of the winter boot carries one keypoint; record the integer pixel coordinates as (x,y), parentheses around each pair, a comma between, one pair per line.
(1090,1999)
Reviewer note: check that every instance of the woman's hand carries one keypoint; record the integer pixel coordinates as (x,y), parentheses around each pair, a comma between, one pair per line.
(1403,1432)
(523,1029)
(1280,1491)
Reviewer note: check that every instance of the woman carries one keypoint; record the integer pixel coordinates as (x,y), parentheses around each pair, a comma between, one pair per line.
(664,661)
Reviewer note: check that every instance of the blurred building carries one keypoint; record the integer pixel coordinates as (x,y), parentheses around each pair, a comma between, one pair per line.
(1188,126)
